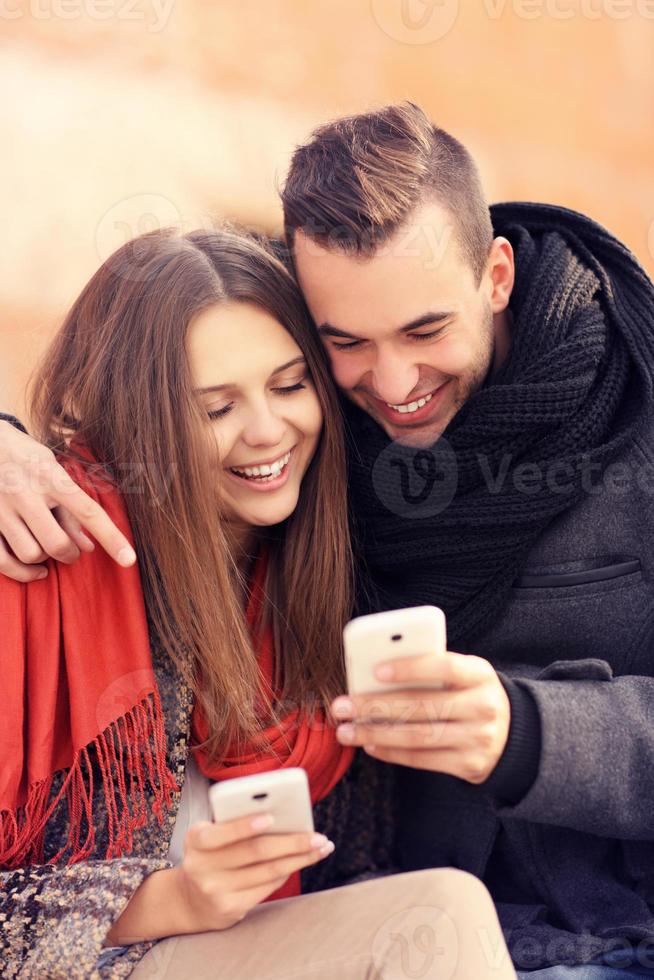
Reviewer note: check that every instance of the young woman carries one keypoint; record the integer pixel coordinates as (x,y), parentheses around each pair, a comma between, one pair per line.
(187,392)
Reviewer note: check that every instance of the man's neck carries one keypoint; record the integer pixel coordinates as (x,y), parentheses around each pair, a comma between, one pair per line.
(503,327)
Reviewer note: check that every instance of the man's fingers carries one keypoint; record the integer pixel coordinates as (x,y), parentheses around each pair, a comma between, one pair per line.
(34,483)
(12,568)
(44,530)
(73,529)
(422,735)
(407,707)
(456,670)
(94,519)
(20,541)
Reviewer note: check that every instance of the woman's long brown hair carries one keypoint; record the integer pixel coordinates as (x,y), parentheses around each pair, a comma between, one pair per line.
(117,376)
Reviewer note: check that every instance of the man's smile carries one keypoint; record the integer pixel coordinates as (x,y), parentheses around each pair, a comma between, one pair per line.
(415,412)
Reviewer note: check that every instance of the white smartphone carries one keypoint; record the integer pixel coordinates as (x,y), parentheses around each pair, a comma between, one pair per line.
(283,793)
(369,640)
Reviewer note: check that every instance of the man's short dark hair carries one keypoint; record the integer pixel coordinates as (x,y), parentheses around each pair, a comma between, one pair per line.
(359,178)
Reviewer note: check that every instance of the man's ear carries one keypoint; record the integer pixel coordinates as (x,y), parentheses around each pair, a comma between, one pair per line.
(500,274)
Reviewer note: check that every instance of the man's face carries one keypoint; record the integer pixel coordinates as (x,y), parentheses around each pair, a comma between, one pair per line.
(409,334)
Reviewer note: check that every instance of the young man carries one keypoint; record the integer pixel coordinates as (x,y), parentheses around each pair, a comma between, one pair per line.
(497,373)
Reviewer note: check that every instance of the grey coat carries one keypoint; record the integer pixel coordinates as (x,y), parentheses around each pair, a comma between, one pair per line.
(571,865)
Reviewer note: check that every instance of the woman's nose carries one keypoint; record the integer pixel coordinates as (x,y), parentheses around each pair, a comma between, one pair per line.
(264,428)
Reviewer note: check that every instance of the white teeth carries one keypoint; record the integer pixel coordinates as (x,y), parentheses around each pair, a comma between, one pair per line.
(412,406)
(266,472)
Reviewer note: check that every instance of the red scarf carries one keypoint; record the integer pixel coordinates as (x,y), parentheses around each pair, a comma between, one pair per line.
(77,673)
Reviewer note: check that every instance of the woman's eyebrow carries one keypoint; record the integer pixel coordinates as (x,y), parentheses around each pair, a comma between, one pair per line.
(289,364)
(283,367)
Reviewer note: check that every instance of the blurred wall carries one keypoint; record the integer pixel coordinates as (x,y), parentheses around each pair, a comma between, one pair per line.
(118,115)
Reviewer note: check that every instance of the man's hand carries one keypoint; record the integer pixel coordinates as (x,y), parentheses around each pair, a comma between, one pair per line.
(461,730)
(42,512)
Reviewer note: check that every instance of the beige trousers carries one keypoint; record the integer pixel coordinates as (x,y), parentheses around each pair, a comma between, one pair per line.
(423,925)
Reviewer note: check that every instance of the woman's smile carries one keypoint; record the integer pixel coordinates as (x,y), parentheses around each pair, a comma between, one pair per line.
(263,476)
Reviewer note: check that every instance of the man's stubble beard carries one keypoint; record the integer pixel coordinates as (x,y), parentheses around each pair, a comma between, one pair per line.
(483,363)
(466,386)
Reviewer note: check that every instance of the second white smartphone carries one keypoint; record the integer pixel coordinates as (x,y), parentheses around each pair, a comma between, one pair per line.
(370,640)
(283,793)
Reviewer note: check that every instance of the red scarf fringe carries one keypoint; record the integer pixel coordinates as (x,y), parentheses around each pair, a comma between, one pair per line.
(134,744)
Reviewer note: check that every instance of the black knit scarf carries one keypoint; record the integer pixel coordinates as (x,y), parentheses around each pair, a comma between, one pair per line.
(453,525)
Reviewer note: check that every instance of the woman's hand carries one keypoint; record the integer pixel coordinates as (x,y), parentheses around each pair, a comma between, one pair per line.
(229,868)
(43,511)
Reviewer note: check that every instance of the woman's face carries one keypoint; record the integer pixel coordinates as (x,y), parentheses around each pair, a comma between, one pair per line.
(252,381)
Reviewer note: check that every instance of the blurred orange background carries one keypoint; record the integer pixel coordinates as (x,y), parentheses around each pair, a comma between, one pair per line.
(119,115)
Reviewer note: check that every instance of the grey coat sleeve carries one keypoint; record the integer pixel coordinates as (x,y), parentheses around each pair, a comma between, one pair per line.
(54,918)
(596,771)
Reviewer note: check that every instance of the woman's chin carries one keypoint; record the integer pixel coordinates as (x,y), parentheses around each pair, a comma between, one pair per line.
(269,510)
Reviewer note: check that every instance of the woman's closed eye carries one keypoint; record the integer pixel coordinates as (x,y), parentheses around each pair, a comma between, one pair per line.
(217,413)
(289,389)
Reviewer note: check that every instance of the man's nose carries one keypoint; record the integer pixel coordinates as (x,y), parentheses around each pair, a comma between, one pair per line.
(394,378)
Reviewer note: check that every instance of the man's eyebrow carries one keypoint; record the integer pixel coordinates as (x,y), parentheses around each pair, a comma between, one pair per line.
(327,330)
(283,367)
(426,319)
